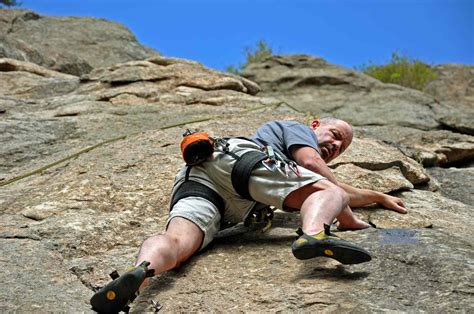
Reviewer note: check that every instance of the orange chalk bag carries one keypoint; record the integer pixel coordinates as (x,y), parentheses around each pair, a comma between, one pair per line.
(196,147)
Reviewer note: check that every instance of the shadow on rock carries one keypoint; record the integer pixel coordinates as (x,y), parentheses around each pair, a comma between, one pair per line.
(325,270)
(237,238)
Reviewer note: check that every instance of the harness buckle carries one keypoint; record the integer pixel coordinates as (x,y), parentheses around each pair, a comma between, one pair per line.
(271,163)
(221,143)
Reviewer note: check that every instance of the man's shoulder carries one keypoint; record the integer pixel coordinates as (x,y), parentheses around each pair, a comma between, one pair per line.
(288,127)
(295,126)
(285,123)
(283,128)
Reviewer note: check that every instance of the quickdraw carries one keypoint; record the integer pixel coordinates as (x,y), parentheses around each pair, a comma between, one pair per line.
(275,160)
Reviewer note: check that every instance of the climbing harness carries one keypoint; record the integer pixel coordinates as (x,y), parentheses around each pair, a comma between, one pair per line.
(246,163)
(197,147)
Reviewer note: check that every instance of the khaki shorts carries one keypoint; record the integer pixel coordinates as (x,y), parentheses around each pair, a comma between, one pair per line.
(265,186)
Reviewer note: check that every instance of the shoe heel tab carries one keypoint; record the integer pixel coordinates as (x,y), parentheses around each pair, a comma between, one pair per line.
(114,275)
(150,273)
(327,230)
(144,264)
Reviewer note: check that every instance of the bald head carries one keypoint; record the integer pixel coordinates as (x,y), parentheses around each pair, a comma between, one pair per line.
(334,136)
(335,121)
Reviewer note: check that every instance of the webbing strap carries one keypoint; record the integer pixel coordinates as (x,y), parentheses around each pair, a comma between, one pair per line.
(193,188)
(241,172)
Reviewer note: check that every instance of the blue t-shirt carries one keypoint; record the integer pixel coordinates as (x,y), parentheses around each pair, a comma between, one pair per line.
(281,135)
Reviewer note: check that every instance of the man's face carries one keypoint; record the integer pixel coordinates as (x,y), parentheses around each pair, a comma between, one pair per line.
(333,139)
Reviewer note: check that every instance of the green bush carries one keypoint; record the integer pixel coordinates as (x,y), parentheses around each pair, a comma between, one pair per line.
(257,54)
(403,71)
(10,3)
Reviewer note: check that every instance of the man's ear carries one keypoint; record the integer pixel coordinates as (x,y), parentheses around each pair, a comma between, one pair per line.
(315,124)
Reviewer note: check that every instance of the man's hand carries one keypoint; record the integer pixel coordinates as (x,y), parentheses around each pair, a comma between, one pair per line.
(393,203)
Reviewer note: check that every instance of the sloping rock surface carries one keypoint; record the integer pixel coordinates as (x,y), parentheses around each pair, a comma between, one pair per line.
(73,45)
(66,226)
(96,211)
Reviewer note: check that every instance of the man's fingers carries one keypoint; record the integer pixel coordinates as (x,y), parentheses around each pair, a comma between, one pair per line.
(395,204)
(399,207)
(400,202)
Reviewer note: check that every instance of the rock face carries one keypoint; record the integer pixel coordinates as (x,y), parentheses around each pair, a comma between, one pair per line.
(313,85)
(26,80)
(431,148)
(73,45)
(454,87)
(455,83)
(406,118)
(66,226)
(46,114)
(455,183)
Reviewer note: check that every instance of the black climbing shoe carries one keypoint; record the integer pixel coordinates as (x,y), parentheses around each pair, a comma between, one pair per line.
(117,294)
(328,245)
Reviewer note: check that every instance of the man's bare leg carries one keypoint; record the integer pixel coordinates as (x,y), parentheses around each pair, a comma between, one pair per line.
(319,204)
(166,251)
(163,252)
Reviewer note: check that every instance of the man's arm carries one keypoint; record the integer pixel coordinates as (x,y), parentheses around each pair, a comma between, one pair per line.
(308,158)
(364,197)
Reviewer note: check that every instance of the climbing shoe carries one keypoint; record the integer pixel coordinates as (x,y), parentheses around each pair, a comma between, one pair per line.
(117,294)
(327,244)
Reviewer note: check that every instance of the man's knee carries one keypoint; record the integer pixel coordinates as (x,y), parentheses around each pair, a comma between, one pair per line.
(173,241)
(184,236)
(161,244)
(336,191)
(339,192)
(164,247)
(297,197)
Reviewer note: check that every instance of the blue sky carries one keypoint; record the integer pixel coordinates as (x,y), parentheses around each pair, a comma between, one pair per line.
(344,32)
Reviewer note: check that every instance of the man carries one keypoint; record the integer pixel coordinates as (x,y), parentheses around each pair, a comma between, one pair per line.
(329,137)
(238,175)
